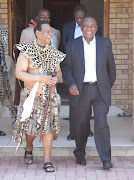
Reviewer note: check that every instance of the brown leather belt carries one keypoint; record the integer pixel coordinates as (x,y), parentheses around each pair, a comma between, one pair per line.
(90,83)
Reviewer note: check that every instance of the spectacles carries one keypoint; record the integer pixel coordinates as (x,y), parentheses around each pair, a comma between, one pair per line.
(79,18)
(44,17)
(89,27)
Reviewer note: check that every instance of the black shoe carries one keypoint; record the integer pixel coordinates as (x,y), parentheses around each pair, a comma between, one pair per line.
(2,133)
(70,137)
(81,162)
(107,165)
(90,133)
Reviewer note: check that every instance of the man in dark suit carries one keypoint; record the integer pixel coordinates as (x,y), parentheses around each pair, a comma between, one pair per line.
(89,72)
(72,30)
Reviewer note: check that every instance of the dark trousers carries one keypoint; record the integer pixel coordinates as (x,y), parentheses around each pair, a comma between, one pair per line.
(90,95)
(71,127)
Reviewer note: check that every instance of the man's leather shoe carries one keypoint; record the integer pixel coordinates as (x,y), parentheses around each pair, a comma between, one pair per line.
(90,133)
(81,162)
(107,165)
(70,137)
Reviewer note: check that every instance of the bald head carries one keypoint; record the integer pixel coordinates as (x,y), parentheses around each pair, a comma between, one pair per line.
(89,20)
(89,28)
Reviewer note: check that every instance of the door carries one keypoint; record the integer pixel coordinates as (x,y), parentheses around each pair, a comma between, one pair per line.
(61,12)
(19,22)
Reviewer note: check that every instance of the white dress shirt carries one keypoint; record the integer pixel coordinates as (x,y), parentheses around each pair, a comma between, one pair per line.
(78,31)
(90,60)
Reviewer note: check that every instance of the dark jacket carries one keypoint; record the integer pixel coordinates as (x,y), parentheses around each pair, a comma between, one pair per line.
(68,32)
(74,67)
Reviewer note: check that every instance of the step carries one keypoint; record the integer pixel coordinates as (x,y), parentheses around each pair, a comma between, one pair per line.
(65,151)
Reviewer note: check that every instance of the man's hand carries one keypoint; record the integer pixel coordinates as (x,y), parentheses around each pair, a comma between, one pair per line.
(74,90)
(48,79)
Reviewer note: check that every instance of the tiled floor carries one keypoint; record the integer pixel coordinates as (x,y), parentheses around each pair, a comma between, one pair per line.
(67,169)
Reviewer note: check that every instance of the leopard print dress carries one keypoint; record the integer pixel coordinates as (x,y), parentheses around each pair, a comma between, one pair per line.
(46,59)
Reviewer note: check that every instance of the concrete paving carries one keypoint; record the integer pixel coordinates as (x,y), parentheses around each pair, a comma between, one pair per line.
(121,139)
(14,168)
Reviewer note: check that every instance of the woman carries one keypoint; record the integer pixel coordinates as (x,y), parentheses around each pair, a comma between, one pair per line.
(36,61)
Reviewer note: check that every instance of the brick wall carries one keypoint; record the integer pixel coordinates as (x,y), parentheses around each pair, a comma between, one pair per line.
(4,14)
(121,34)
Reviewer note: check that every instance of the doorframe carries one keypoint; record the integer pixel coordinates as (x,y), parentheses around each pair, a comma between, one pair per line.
(12,38)
(106,18)
(9,27)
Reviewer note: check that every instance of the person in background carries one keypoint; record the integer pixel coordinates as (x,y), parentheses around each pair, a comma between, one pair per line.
(28,35)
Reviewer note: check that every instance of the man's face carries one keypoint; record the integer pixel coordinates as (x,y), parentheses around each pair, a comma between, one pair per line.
(45,34)
(89,28)
(43,16)
(79,16)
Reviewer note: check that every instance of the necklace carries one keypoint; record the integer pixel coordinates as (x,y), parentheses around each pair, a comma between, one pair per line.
(41,46)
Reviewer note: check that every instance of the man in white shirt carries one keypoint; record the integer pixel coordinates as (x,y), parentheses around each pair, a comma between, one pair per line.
(89,73)
(28,35)
(72,30)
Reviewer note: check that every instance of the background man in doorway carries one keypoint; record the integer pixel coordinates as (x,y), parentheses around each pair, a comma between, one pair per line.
(28,35)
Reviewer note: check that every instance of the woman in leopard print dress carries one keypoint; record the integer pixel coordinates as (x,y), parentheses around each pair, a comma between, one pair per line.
(35,63)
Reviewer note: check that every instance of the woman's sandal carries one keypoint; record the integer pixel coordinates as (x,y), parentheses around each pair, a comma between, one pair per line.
(28,158)
(48,167)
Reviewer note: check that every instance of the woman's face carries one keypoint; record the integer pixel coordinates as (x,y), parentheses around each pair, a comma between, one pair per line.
(45,34)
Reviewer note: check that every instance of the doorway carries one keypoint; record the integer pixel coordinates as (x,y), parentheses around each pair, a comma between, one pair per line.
(61,12)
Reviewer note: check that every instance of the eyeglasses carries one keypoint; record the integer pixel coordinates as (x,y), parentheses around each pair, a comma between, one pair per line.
(79,18)
(89,27)
(44,17)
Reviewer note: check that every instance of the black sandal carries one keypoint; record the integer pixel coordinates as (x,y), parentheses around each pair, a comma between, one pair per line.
(26,157)
(48,167)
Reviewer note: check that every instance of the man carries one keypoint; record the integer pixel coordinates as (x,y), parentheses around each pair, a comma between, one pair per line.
(89,72)
(72,30)
(28,35)
(36,114)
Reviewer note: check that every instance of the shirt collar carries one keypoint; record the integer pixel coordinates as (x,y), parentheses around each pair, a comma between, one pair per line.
(93,40)
(77,25)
